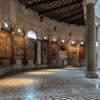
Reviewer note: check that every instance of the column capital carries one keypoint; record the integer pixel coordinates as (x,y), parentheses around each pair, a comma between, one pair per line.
(98,26)
(86,2)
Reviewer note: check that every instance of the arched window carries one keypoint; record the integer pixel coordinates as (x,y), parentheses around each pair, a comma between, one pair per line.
(31,35)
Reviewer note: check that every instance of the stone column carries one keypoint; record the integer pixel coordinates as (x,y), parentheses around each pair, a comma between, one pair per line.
(90,40)
(38,53)
(98,39)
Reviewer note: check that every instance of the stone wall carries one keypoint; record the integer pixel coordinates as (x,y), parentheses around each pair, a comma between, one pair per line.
(17,15)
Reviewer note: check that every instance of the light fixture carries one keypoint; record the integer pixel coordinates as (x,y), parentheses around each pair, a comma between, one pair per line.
(82,42)
(54,39)
(6,24)
(45,37)
(73,42)
(63,41)
(19,30)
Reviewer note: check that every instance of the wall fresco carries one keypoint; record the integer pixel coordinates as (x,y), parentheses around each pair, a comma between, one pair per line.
(5,45)
(5,49)
(18,47)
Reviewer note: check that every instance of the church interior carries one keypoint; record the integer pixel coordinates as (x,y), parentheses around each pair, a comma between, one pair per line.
(49,50)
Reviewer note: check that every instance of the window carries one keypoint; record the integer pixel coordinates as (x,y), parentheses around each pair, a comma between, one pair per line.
(31,35)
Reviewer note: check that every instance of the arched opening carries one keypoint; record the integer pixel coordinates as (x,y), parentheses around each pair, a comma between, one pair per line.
(31,35)
(30,48)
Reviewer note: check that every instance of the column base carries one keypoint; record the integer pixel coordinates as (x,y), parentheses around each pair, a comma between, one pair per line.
(91,74)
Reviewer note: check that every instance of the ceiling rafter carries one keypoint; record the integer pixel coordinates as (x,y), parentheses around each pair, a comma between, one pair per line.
(60,7)
(39,3)
(72,15)
(67,12)
(81,18)
(81,22)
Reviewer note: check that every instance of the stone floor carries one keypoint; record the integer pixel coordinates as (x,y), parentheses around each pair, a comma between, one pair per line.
(50,84)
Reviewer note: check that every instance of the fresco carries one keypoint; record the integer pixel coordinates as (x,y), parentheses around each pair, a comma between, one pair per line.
(18,47)
(5,49)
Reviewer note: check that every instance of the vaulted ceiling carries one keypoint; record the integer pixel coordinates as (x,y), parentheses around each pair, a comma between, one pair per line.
(68,11)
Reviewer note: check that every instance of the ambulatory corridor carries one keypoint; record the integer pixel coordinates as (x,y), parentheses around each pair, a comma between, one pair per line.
(50,84)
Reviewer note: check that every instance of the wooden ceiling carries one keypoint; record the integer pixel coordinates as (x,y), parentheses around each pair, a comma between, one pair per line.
(68,11)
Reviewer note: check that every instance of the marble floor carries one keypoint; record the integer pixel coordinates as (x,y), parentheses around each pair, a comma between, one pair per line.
(50,84)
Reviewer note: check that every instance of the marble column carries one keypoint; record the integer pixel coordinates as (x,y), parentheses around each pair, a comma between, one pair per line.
(98,39)
(90,40)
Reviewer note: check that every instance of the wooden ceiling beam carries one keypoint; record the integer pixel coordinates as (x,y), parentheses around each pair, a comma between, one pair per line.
(39,3)
(74,14)
(63,14)
(60,7)
(81,22)
(76,20)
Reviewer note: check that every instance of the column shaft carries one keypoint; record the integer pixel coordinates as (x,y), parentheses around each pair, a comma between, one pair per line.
(90,42)
(91,38)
